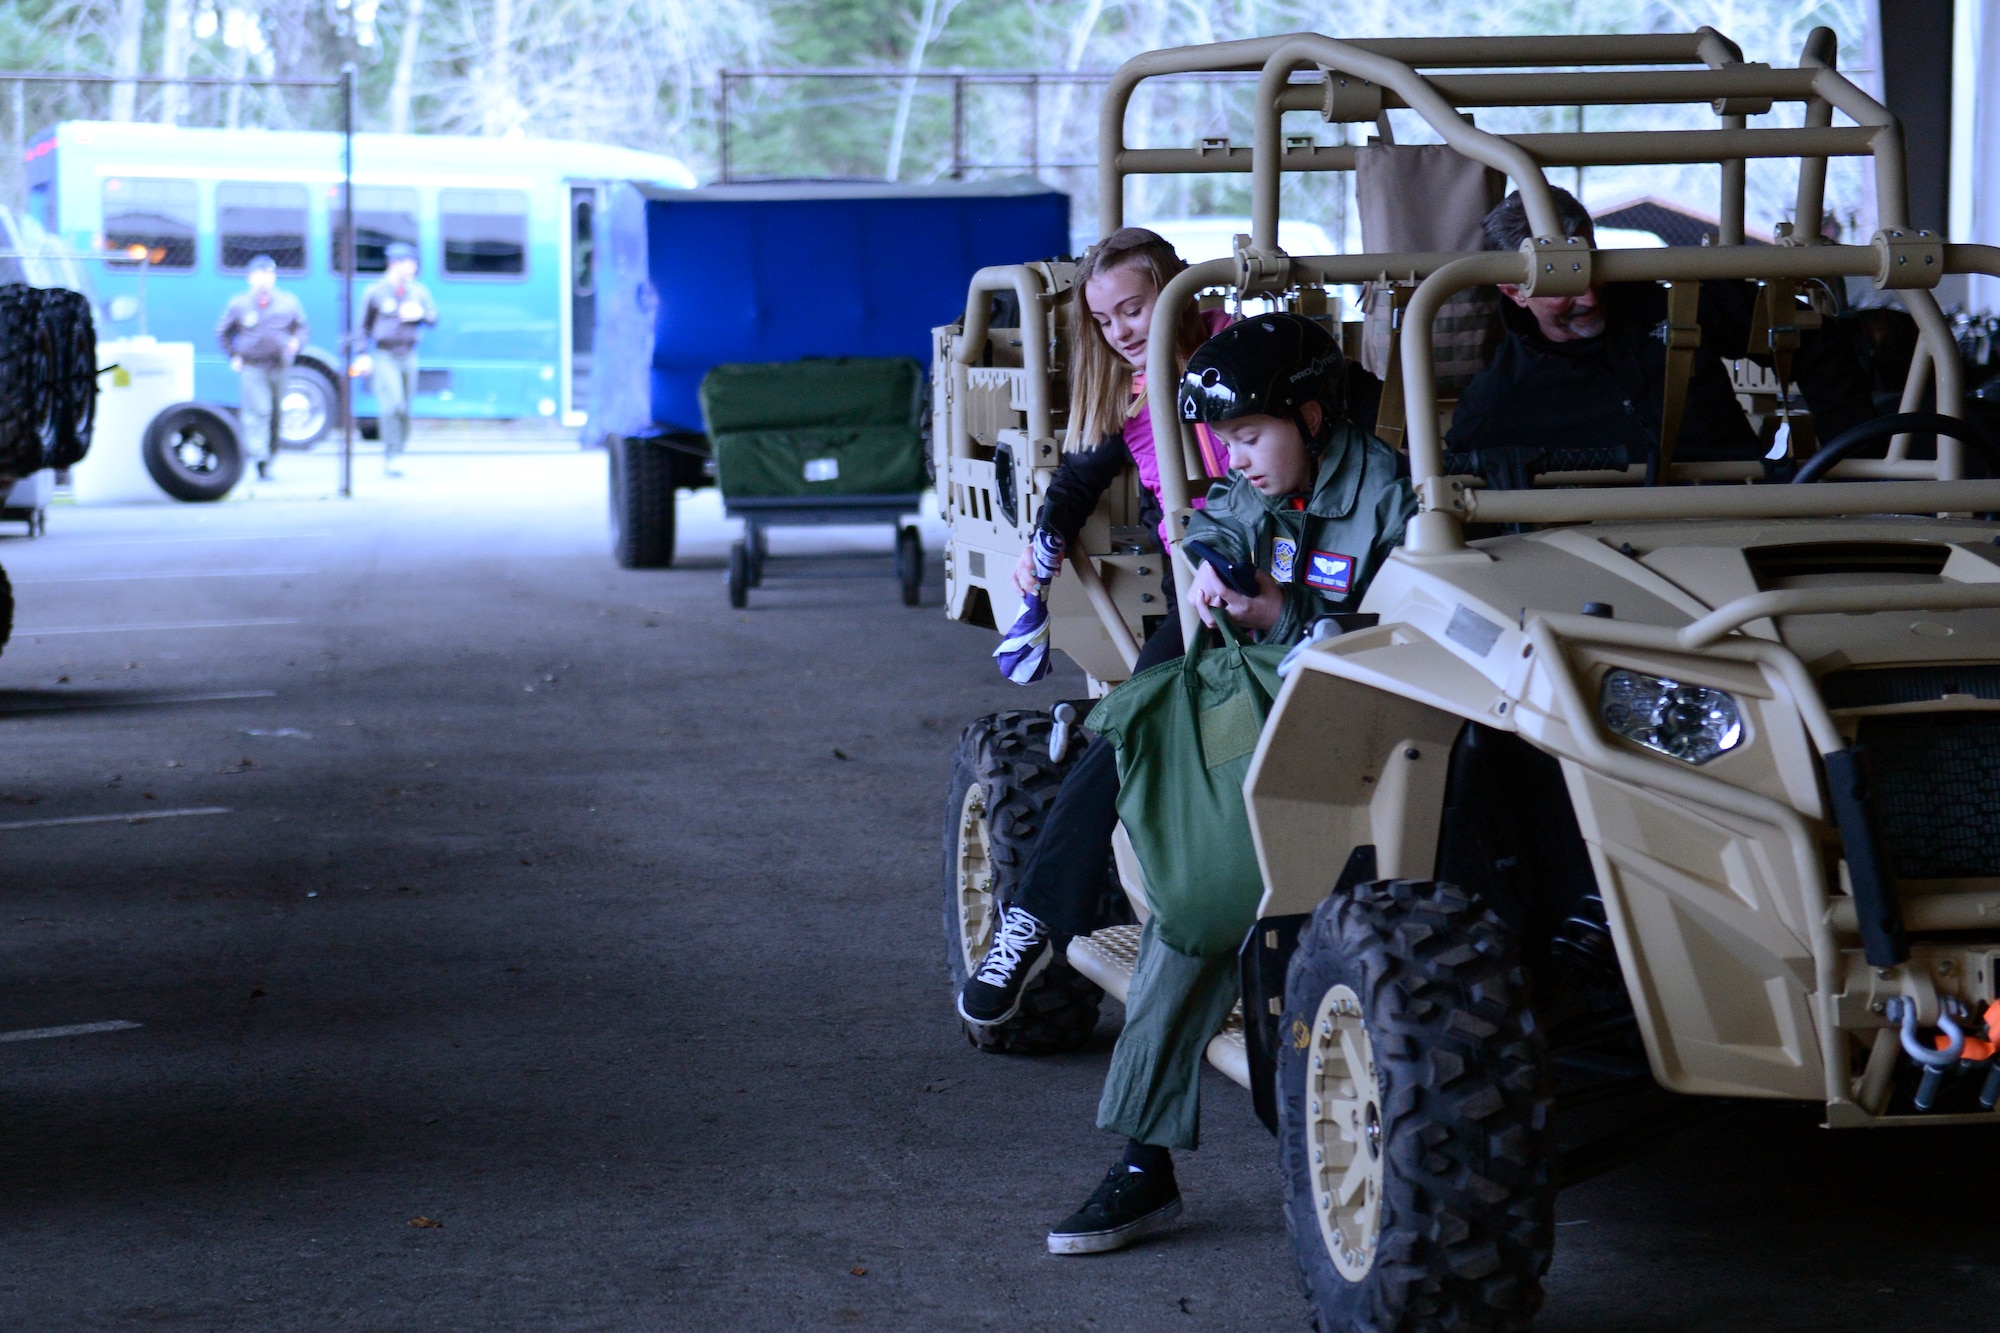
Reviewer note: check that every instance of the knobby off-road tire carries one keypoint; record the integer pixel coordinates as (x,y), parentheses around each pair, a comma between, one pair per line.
(6,609)
(67,316)
(1002,784)
(1414,1116)
(642,503)
(27,403)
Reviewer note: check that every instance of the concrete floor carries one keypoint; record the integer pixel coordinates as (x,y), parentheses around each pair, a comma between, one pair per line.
(566,908)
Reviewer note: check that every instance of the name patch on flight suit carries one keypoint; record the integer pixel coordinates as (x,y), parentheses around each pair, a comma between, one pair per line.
(1284,559)
(1330,571)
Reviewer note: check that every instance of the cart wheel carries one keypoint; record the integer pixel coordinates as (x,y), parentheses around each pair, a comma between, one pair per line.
(760,547)
(910,564)
(739,573)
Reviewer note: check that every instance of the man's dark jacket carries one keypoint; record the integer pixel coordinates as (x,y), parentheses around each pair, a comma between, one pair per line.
(1609,391)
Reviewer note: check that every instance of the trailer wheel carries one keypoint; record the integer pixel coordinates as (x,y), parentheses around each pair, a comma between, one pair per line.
(642,503)
(193,453)
(739,573)
(1002,784)
(910,565)
(1413,1115)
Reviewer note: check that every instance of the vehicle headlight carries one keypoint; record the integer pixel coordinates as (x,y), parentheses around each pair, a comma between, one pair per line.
(1692,723)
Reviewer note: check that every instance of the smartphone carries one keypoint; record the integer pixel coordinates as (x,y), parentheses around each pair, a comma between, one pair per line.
(1241,578)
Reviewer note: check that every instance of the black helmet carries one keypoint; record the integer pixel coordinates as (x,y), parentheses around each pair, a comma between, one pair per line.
(1265,365)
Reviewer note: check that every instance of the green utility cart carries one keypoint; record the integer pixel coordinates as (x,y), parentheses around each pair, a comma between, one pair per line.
(823,440)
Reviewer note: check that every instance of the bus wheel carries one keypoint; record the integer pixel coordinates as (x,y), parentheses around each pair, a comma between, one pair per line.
(308,407)
(193,453)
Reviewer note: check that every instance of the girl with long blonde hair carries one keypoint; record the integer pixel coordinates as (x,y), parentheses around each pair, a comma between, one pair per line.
(1117,285)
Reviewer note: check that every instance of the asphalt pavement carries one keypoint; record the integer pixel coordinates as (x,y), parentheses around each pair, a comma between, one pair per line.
(517,942)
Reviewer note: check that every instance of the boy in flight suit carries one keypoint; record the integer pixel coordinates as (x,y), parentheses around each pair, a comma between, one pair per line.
(1315,505)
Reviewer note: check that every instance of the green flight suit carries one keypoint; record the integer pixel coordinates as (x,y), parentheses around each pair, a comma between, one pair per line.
(1324,557)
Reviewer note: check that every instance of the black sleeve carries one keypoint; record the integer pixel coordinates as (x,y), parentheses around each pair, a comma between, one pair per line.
(1079,483)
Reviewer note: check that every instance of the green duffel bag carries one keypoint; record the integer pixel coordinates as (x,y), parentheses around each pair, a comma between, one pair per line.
(827,391)
(1185,732)
(855,460)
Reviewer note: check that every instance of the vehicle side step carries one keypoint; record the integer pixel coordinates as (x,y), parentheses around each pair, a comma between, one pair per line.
(1108,956)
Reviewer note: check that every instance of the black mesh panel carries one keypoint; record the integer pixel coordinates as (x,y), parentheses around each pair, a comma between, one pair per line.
(1937,792)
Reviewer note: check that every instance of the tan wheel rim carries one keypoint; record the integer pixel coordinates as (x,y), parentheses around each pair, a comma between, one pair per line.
(1344,1133)
(975,879)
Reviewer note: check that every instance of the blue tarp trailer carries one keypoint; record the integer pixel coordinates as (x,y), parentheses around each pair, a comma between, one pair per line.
(691,279)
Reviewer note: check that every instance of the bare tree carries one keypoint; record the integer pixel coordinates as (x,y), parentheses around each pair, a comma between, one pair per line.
(125,57)
(930,26)
(176,40)
(406,68)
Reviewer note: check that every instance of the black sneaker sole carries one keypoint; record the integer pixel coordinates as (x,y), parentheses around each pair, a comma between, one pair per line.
(1117,1238)
(1035,969)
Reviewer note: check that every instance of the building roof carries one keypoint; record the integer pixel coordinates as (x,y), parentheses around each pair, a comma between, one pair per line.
(1671,222)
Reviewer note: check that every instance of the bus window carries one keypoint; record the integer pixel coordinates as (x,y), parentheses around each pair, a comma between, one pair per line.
(485,232)
(253,218)
(383,215)
(151,220)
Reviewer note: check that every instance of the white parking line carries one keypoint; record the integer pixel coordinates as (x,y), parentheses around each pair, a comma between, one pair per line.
(142,701)
(180,541)
(73,1030)
(191,574)
(167,625)
(136,817)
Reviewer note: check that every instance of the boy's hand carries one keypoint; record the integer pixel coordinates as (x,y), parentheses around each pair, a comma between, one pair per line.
(1025,580)
(1259,612)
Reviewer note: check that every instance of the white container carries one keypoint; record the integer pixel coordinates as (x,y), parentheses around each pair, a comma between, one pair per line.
(151,377)
(32,492)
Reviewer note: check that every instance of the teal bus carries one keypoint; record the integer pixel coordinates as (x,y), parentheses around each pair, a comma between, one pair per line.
(502,226)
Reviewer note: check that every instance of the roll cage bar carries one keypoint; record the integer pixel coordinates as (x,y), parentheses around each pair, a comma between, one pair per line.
(1359,80)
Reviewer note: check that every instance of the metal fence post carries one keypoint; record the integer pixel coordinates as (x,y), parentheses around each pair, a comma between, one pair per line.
(20,109)
(722,122)
(1034,125)
(347,73)
(958,127)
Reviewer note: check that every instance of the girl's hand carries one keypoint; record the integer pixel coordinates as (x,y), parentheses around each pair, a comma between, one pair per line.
(1254,613)
(1025,581)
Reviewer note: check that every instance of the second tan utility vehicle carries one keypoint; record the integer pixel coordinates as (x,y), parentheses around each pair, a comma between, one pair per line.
(1692,773)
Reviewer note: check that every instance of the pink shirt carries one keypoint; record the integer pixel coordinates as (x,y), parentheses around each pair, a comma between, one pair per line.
(1138,433)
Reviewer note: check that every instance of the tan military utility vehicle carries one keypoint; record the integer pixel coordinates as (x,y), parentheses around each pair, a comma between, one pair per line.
(1692,773)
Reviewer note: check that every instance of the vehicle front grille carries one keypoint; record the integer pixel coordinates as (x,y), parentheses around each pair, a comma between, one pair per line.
(1871,687)
(1937,792)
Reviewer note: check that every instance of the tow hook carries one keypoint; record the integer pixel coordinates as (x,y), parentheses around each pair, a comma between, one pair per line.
(1065,715)
(1951,1044)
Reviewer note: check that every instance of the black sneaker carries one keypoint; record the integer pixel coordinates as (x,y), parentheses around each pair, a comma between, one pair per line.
(1125,1207)
(263,469)
(1021,949)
